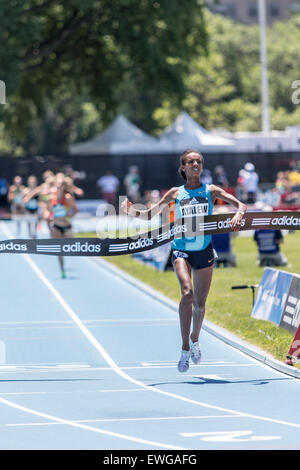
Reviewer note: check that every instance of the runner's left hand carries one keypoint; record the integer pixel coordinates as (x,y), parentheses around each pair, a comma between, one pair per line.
(236,221)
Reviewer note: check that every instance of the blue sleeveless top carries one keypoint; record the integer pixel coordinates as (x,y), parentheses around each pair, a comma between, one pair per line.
(192,203)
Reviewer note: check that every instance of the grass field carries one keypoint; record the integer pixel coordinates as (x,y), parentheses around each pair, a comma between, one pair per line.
(229,308)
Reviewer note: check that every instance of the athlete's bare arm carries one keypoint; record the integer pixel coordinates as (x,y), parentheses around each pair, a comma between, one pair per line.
(219,193)
(10,195)
(73,209)
(158,208)
(33,192)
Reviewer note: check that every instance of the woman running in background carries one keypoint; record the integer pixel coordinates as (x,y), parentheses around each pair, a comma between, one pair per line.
(59,209)
(32,205)
(192,258)
(15,198)
(44,191)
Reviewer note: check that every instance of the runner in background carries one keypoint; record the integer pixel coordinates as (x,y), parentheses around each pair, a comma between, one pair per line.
(59,210)
(49,186)
(15,198)
(31,205)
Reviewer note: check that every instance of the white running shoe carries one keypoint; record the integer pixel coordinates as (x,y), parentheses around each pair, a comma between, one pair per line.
(195,352)
(183,364)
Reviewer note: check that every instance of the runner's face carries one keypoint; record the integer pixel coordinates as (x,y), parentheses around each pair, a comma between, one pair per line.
(32,182)
(193,165)
(18,181)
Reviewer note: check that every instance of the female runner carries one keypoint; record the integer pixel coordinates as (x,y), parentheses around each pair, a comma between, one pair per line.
(192,258)
(60,207)
(31,205)
(16,198)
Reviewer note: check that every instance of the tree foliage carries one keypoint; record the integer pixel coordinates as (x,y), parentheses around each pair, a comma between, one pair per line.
(91,47)
(224,87)
(70,68)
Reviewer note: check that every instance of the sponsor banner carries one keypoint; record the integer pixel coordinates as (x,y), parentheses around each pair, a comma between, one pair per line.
(290,319)
(271,295)
(13,246)
(202,225)
(278,299)
(283,220)
(64,247)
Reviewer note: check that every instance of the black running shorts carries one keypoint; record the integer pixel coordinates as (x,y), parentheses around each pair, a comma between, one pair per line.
(197,259)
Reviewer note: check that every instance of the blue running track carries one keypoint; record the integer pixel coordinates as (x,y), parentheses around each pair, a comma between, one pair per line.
(90,362)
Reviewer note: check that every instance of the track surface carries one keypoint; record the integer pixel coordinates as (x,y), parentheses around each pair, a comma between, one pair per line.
(89,362)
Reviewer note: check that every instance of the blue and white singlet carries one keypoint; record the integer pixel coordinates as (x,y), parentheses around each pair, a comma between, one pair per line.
(192,204)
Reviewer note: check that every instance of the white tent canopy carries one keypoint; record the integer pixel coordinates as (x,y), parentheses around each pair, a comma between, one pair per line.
(121,137)
(186,133)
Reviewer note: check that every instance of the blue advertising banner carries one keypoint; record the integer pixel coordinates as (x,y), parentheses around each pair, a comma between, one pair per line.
(272,295)
(290,319)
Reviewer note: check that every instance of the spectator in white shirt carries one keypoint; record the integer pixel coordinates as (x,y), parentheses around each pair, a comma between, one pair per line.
(250,182)
(108,186)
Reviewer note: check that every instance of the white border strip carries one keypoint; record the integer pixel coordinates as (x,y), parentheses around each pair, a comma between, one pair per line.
(122,374)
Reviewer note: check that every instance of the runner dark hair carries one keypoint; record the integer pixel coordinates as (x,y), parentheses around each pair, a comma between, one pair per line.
(183,160)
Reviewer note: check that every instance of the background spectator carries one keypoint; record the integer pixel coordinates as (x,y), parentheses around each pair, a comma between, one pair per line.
(221,176)
(282,182)
(269,253)
(132,183)
(108,186)
(250,182)
(294,174)
(240,190)
(206,177)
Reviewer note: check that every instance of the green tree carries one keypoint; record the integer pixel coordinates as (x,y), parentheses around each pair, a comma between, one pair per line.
(220,84)
(284,60)
(93,46)
(224,87)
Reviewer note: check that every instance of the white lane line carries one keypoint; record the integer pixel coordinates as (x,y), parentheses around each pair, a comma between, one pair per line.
(72,392)
(44,368)
(119,420)
(86,427)
(120,372)
(92,322)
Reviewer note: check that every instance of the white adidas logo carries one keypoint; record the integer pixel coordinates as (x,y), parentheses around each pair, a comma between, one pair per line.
(194,201)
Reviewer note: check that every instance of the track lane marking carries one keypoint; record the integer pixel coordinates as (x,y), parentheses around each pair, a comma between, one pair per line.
(117,420)
(86,427)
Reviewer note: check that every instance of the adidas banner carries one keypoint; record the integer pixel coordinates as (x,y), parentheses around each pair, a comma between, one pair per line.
(202,225)
(278,299)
